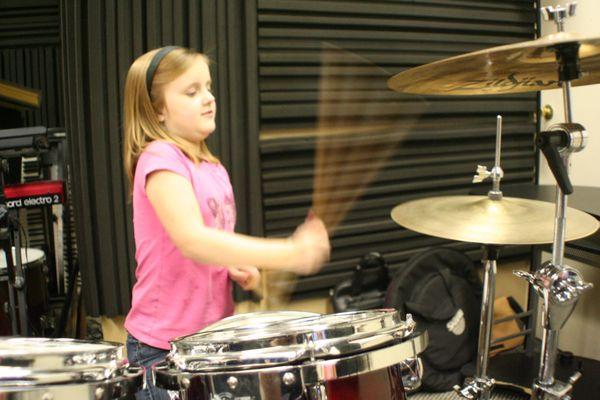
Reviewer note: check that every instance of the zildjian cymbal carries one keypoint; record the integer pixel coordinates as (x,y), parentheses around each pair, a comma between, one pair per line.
(479,219)
(519,67)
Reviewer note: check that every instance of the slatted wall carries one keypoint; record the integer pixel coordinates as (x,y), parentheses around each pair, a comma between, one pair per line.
(439,154)
(101,39)
(30,54)
(267,63)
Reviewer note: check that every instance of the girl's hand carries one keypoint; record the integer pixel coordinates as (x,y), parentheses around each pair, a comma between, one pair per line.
(311,241)
(247,277)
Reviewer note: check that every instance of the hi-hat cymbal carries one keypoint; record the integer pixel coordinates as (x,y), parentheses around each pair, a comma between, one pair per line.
(478,219)
(519,67)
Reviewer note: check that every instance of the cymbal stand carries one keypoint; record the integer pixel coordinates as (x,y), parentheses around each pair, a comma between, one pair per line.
(481,385)
(558,285)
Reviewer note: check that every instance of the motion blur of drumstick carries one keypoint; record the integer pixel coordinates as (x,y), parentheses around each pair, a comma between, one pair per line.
(354,139)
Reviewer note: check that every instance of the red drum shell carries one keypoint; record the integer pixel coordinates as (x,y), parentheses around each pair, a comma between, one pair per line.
(383,384)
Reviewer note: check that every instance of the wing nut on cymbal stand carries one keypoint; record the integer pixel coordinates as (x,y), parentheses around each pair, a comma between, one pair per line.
(559,13)
(496,174)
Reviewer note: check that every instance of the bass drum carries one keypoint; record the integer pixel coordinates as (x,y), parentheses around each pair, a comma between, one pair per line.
(36,287)
(65,369)
(346,356)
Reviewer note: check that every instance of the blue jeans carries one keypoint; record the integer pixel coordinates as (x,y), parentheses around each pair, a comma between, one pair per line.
(142,355)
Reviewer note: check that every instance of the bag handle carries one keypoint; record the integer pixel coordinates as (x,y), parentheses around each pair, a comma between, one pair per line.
(370,261)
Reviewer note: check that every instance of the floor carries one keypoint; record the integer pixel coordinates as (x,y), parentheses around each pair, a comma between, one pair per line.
(497,394)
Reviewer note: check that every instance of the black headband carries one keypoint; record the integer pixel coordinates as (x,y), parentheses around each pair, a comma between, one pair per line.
(154,65)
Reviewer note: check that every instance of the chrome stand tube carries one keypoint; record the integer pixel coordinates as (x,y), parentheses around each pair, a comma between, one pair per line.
(485,324)
(545,386)
(487,316)
(550,336)
(481,386)
(21,287)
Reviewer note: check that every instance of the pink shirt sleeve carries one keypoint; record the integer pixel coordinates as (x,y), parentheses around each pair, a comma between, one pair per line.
(161,156)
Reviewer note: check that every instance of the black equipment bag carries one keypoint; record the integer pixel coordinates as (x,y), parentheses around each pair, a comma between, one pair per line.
(441,289)
(367,287)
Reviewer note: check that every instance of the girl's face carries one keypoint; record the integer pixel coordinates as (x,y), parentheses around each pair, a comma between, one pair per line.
(189,105)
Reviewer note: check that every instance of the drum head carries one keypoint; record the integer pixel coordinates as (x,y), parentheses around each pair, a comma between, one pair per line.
(257,340)
(256,319)
(28,256)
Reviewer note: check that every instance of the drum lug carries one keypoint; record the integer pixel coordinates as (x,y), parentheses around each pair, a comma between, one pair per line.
(232,382)
(318,392)
(19,283)
(185,383)
(99,392)
(289,378)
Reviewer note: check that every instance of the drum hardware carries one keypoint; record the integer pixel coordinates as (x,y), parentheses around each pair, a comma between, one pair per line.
(496,174)
(520,67)
(318,392)
(481,386)
(475,388)
(313,357)
(493,220)
(61,369)
(558,143)
(559,285)
(559,13)
(560,288)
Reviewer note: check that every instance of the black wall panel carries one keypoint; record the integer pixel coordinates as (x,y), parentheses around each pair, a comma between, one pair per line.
(100,41)
(438,155)
(267,64)
(30,55)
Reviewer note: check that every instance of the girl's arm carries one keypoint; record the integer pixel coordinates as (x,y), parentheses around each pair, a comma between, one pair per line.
(174,201)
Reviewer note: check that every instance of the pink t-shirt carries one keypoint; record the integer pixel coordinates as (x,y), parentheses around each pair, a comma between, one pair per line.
(173,295)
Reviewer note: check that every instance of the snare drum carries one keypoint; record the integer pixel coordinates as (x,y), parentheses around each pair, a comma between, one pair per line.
(345,356)
(33,261)
(61,369)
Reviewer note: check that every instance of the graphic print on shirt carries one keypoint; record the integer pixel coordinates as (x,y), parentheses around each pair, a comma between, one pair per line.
(223,212)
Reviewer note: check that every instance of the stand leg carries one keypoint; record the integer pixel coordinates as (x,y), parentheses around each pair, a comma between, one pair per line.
(6,242)
(487,316)
(21,288)
(481,386)
(532,301)
(12,313)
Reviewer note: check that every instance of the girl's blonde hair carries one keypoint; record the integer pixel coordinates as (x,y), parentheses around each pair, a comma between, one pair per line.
(141,108)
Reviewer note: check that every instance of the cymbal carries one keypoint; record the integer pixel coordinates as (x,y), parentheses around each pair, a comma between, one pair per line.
(514,68)
(478,219)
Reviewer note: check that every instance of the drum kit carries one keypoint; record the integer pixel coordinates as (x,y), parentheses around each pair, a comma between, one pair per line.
(277,355)
(368,354)
(52,369)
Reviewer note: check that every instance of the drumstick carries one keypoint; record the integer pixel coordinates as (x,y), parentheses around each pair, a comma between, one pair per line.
(349,152)
(362,146)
